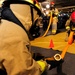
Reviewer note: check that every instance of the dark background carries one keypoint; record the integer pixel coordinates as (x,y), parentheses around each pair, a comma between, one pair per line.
(62,3)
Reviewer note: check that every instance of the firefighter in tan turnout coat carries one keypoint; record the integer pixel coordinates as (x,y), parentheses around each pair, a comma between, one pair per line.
(15,53)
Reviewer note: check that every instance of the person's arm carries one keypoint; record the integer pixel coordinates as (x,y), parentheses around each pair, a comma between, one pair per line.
(67,24)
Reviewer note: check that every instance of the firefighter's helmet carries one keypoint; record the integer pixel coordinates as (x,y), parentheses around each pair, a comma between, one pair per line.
(73,17)
(52,4)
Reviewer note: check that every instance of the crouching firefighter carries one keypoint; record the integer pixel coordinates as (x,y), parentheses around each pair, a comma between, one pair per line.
(70,27)
(15,54)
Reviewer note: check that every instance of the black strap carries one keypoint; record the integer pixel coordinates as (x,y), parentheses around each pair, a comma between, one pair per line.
(0,14)
(32,14)
(7,14)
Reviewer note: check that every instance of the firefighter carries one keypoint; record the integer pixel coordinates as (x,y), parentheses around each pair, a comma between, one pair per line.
(70,25)
(17,17)
(55,13)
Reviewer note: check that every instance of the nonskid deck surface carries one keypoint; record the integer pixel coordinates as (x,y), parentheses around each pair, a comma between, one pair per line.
(58,41)
(42,45)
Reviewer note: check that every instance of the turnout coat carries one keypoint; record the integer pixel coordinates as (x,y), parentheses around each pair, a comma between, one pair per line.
(15,53)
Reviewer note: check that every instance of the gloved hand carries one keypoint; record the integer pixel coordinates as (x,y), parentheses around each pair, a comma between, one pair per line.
(43,64)
(67,29)
(40,60)
(54,63)
(49,64)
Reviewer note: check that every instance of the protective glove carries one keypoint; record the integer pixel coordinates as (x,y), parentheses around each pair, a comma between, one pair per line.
(54,63)
(68,29)
(49,63)
(39,58)
(43,64)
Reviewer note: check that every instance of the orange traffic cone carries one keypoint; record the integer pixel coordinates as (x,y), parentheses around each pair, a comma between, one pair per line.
(51,44)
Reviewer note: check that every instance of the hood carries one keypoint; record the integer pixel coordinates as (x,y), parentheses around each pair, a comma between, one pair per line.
(22,12)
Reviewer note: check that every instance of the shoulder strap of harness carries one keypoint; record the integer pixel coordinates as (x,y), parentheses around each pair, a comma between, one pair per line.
(7,14)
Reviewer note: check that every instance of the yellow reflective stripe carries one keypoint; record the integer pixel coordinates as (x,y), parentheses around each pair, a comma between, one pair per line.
(55,17)
(31,1)
(56,13)
(53,30)
(67,27)
(73,28)
(37,6)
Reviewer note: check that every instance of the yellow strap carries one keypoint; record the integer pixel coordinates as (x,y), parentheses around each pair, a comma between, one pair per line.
(31,1)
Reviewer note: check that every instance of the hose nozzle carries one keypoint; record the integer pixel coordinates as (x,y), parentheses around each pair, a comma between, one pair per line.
(57,57)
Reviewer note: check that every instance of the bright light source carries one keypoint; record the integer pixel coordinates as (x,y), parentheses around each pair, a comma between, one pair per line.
(47,6)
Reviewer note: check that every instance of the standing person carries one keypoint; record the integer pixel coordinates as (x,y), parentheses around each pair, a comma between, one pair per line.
(55,13)
(17,17)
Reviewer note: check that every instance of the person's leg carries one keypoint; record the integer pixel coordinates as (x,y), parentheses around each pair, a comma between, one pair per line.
(70,38)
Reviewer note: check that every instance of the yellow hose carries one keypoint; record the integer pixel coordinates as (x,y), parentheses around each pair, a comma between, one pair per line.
(50,20)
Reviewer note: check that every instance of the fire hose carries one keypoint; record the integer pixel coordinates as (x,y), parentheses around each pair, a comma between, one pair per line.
(58,57)
(50,20)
